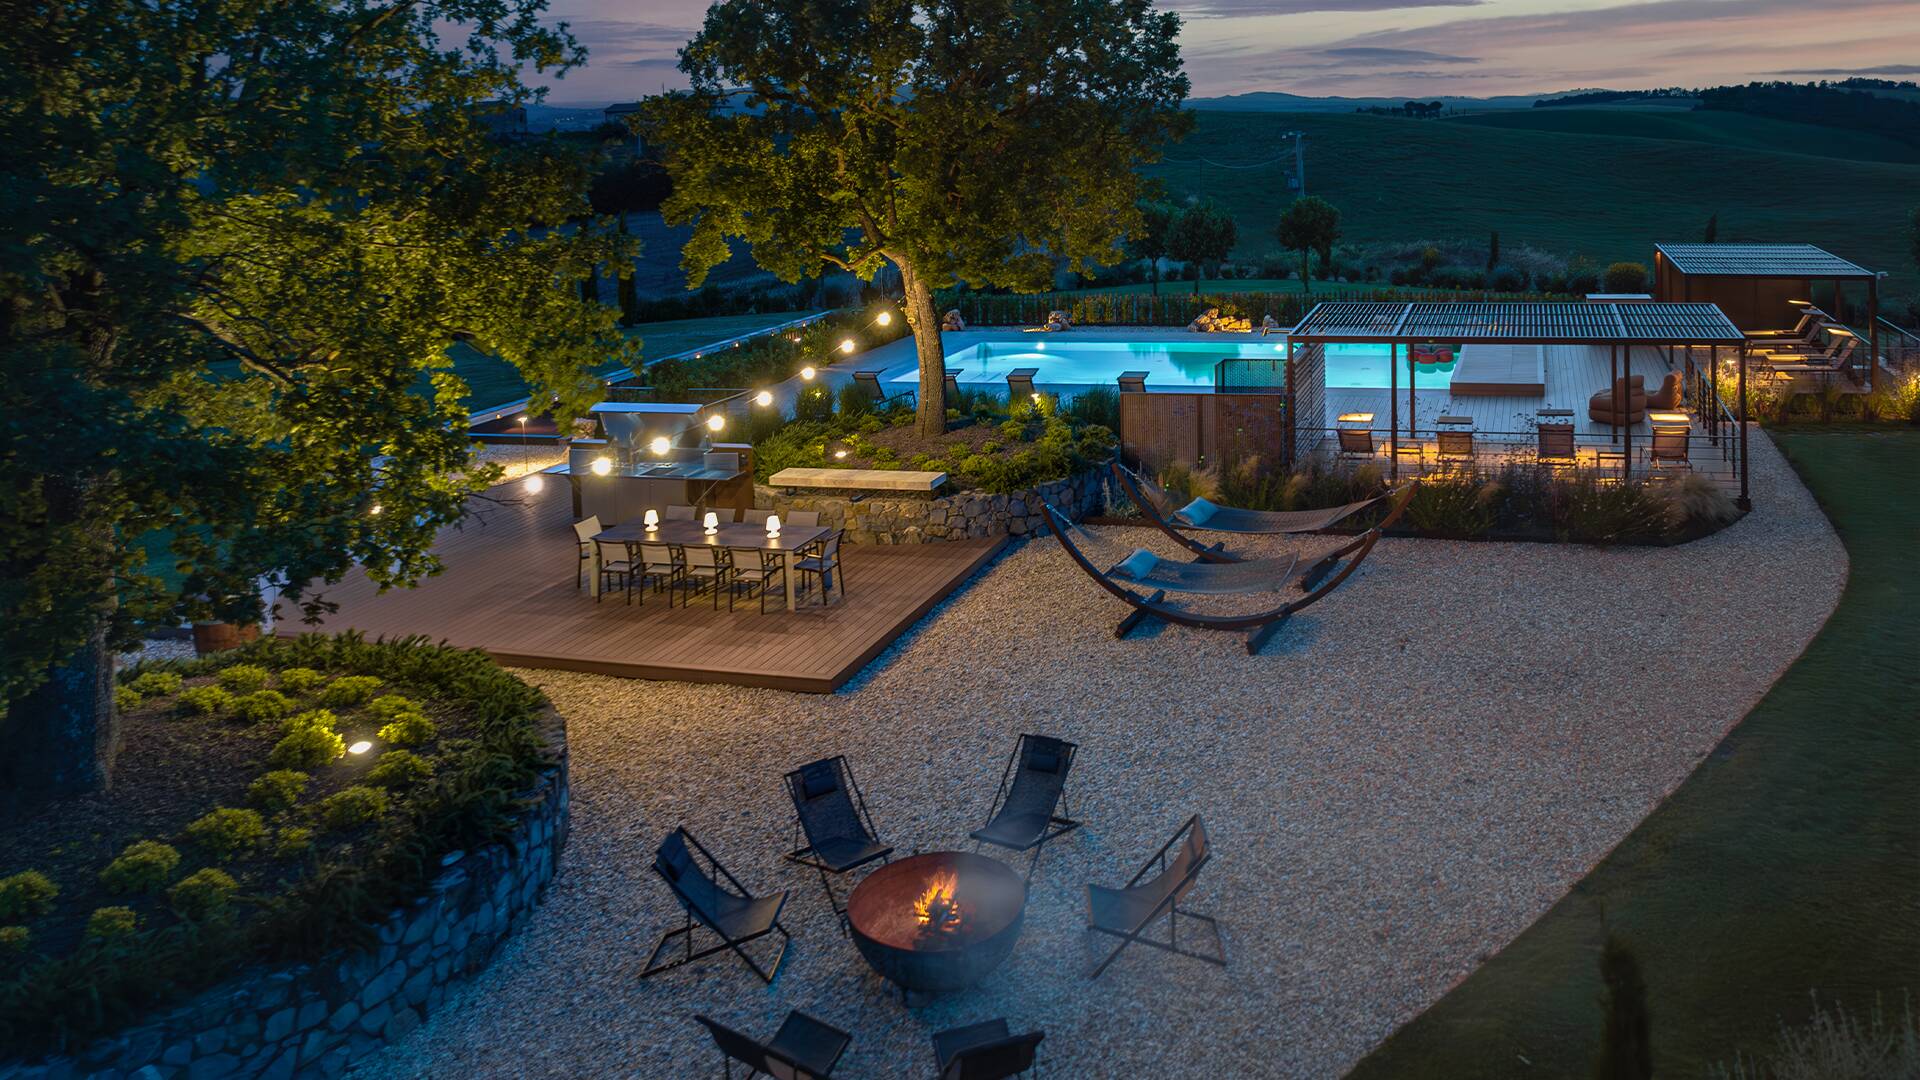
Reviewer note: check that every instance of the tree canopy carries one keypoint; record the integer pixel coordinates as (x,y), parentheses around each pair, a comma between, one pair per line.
(1310,224)
(1149,241)
(1203,234)
(239,239)
(980,143)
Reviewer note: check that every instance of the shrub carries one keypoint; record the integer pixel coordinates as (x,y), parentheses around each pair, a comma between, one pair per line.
(203,895)
(352,807)
(243,678)
(321,719)
(399,769)
(225,832)
(389,706)
(261,706)
(112,922)
(1598,513)
(349,691)
(277,790)
(1458,508)
(154,683)
(1507,279)
(814,404)
(1096,405)
(1626,277)
(1836,1045)
(205,700)
(855,401)
(306,748)
(410,730)
(1696,503)
(300,680)
(144,866)
(26,894)
(14,940)
(126,698)
(293,842)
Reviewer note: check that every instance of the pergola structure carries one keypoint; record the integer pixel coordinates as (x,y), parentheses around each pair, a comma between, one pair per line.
(1618,326)
(1753,283)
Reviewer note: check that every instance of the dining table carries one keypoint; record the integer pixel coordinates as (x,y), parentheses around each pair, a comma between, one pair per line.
(734,536)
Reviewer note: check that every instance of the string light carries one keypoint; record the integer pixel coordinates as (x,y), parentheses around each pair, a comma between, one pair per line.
(763,399)
(847,346)
(807,373)
(716,422)
(660,445)
(601,466)
(534,483)
(885,318)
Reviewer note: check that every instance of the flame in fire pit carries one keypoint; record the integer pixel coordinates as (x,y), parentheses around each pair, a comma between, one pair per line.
(937,909)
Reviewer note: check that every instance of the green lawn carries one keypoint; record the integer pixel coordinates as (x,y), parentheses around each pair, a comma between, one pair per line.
(1705,126)
(494,382)
(1789,862)
(1607,196)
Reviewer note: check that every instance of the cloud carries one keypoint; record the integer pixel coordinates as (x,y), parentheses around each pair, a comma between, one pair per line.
(1883,69)
(1246,9)
(1396,56)
(627,33)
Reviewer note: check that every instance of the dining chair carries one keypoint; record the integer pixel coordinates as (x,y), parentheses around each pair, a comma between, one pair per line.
(751,516)
(806,518)
(616,570)
(703,568)
(584,532)
(754,581)
(658,566)
(677,513)
(824,561)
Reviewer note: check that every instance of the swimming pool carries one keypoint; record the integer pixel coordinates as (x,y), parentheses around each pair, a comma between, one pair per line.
(1170,365)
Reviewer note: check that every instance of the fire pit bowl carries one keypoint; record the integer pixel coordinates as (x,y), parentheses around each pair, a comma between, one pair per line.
(938,921)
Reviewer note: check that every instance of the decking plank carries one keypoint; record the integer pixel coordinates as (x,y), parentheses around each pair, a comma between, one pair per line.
(506,588)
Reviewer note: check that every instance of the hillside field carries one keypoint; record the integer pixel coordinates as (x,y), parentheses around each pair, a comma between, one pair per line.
(1740,130)
(1607,196)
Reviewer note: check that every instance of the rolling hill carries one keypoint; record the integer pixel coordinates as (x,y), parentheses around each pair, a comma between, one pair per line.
(1608,196)
(1718,128)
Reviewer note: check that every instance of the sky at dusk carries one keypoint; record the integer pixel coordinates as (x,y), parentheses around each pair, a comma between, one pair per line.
(1396,48)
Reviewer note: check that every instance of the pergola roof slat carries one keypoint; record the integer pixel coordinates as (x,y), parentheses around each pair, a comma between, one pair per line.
(1551,323)
(1759,260)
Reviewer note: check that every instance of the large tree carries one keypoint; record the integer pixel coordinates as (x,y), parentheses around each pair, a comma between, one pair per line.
(1203,234)
(238,239)
(1310,224)
(979,142)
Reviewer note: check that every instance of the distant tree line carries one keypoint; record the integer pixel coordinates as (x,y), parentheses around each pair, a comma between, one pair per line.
(1419,110)
(1845,103)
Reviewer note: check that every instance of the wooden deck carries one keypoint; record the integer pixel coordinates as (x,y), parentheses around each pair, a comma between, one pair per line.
(508,588)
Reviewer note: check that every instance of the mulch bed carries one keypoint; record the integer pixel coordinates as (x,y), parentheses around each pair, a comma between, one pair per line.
(173,769)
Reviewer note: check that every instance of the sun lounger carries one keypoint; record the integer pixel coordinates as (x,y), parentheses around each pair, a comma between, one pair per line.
(870,382)
(1198,577)
(1128,911)
(734,914)
(1033,784)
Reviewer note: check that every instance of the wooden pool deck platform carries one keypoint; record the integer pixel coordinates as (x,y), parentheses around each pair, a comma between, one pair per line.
(508,589)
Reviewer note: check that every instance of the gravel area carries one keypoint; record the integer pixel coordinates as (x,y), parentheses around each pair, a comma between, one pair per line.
(1408,776)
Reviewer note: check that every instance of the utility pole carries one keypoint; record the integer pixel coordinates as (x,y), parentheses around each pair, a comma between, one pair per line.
(1300,160)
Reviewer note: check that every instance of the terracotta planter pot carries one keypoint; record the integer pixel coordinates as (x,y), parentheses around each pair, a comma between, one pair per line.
(216,637)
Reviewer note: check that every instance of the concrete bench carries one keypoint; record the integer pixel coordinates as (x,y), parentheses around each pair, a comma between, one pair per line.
(859,479)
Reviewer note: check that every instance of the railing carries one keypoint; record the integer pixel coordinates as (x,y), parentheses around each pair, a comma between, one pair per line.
(1899,347)
(1716,457)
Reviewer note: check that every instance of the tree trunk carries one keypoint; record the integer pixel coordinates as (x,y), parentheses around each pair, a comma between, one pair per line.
(1154,264)
(1306,272)
(930,417)
(61,738)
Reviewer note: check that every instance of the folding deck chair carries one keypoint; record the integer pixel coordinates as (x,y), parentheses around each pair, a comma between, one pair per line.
(1128,911)
(828,807)
(985,1051)
(804,1048)
(1034,782)
(735,915)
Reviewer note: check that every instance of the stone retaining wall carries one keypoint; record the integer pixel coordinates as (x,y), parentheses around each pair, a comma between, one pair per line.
(893,519)
(315,1019)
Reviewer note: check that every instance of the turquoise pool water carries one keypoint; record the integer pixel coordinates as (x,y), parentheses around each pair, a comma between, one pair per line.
(1169,365)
